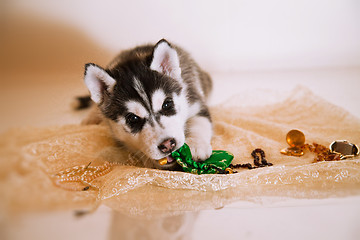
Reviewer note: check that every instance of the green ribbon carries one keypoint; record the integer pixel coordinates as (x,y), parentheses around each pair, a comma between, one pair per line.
(218,160)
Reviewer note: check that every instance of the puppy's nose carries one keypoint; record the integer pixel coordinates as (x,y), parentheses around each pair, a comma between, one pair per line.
(167,146)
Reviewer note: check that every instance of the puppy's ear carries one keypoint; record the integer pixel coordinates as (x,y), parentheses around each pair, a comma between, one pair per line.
(166,60)
(98,81)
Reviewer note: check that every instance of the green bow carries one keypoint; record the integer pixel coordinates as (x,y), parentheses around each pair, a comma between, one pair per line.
(219,160)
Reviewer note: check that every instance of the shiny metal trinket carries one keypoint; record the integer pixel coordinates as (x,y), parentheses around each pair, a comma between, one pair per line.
(295,139)
(344,148)
(163,161)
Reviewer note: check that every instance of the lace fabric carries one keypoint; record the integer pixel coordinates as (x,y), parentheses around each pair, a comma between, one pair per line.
(30,157)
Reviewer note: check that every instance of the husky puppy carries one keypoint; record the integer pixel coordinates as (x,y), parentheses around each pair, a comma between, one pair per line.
(153,98)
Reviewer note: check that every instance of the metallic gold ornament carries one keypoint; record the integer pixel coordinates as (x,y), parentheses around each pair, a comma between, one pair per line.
(295,139)
(163,161)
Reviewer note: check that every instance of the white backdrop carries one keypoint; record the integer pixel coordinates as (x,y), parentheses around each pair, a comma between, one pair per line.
(226,35)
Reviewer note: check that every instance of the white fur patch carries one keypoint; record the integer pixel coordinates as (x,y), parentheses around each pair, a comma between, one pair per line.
(193,109)
(137,109)
(201,127)
(166,61)
(199,139)
(94,78)
(172,127)
(158,99)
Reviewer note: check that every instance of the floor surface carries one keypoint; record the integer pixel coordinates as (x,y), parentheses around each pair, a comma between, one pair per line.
(44,100)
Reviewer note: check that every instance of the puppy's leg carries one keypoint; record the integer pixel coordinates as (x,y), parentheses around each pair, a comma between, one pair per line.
(94,117)
(199,133)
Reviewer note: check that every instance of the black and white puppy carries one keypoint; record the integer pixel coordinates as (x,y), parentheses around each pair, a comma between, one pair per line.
(153,98)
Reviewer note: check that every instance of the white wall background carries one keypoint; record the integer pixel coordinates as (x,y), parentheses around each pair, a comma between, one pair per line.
(225,35)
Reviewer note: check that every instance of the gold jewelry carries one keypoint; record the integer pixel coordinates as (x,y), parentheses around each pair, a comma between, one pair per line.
(338,150)
(296,139)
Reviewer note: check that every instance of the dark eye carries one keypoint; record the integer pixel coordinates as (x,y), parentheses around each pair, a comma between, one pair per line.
(168,104)
(132,119)
(135,122)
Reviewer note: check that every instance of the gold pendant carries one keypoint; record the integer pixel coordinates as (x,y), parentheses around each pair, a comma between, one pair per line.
(295,139)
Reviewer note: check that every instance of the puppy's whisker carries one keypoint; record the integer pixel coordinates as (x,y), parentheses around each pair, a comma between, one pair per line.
(137,157)
(140,157)
(138,154)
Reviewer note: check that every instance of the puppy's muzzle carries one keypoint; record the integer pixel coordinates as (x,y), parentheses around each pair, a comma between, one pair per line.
(167,146)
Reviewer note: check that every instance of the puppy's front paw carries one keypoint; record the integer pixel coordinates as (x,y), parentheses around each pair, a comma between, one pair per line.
(200,150)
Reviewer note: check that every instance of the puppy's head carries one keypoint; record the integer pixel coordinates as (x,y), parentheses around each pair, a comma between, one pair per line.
(144,102)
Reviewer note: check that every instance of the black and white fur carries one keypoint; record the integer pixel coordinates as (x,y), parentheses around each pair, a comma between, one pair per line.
(150,94)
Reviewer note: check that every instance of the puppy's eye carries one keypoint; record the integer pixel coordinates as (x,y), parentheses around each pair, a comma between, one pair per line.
(132,119)
(168,104)
(168,107)
(135,122)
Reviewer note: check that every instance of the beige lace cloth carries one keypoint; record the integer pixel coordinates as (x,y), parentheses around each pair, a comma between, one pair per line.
(30,158)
